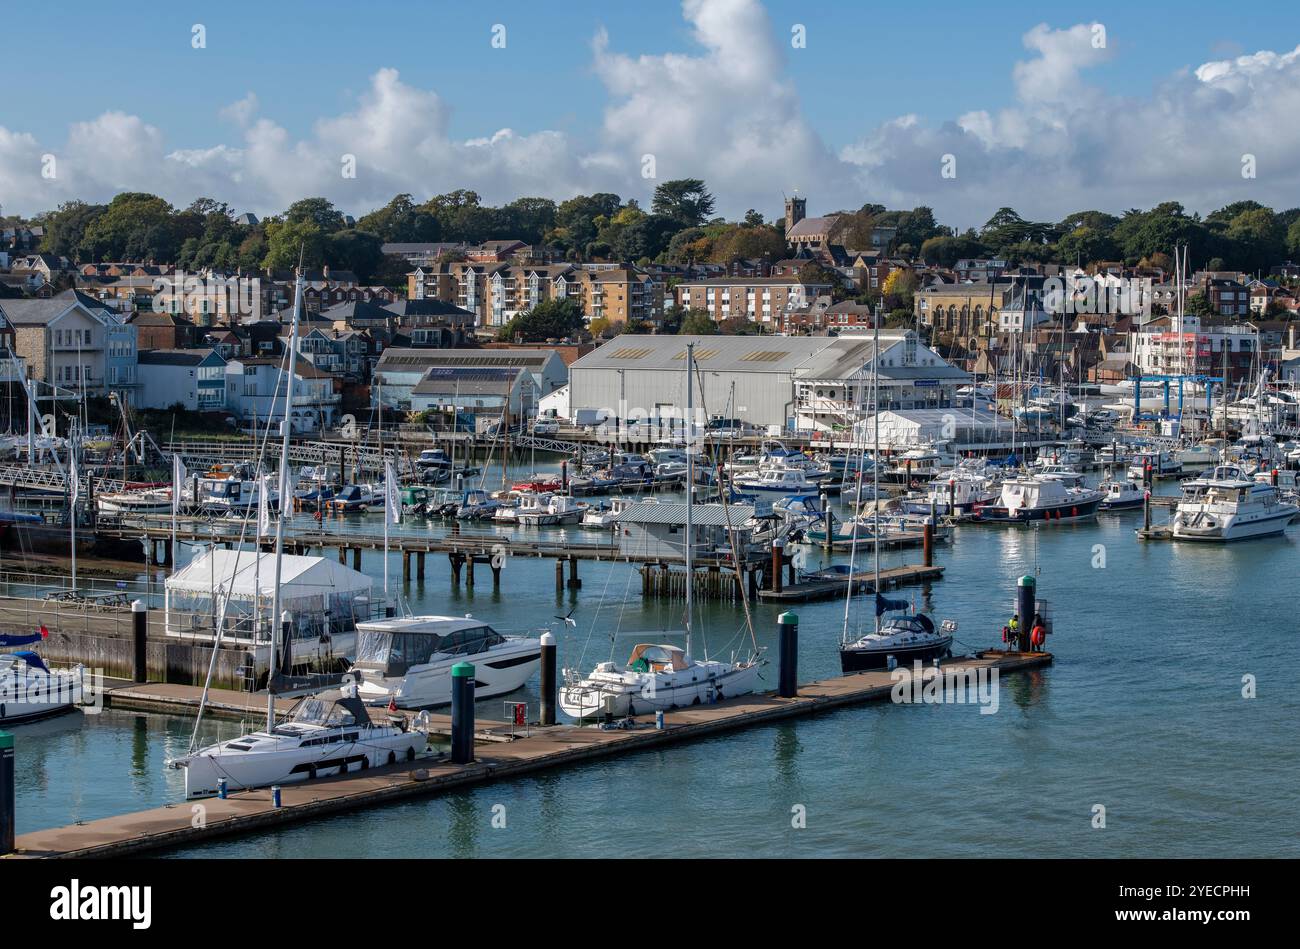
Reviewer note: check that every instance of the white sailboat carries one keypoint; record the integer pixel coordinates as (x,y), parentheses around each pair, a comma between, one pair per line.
(326,731)
(661,675)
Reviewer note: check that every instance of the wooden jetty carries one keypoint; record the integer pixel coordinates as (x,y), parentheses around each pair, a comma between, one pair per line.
(808,590)
(508,755)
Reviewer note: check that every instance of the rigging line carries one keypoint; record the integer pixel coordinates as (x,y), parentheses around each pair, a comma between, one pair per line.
(724,491)
(853,524)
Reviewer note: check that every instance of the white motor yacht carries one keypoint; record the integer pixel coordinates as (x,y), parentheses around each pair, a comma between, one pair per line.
(407,661)
(147,501)
(1229,505)
(560,509)
(1161,464)
(775,480)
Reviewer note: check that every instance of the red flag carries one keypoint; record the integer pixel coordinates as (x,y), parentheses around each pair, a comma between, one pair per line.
(45,633)
(392,703)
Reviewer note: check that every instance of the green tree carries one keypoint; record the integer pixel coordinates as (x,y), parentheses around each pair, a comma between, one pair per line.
(685,200)
(134,225)
(358,251)
(318,211)
(287,240)
(550,319)
(697,323)
(65,229)
(402,221)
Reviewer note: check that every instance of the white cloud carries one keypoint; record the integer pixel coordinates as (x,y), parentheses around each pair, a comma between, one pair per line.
(726,111)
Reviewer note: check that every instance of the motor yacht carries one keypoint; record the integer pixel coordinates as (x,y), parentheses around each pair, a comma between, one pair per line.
(1229,505)
(1034,498)
(30,690)
(407,661)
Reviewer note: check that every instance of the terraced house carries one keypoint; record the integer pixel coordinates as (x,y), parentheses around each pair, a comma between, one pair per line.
(67,344)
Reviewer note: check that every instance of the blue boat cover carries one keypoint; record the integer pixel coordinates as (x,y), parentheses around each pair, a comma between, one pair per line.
(9,639)
(884,606)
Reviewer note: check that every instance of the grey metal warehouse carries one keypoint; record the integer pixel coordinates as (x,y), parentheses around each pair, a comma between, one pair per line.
(646,375)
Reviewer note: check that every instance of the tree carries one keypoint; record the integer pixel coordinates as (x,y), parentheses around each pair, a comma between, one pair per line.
(401,221)
(65,229)
(318,211)
(136,225)
(1085,244)
(358,251)
(286,241)
(697,323)
(550,319)
(684,200)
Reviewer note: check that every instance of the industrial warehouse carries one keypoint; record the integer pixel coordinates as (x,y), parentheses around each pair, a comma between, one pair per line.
(791,383)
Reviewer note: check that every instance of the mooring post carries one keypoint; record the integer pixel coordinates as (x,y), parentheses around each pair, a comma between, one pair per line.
(356,558)
(139,634)
(778,548)
(559,575)
(787,655)
(419,566)
(927,543)
(574,582)
(1146,509)
(406,566)
(462,713)
(1026,606)
(469,571)
(548,678)
(7,768)
(455,560)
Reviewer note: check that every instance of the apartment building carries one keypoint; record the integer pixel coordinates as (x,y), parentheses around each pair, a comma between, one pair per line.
(766,300)
(66,344)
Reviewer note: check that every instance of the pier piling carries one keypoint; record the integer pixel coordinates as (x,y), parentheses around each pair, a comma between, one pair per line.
(574,582)
(559,575)
(778,549)
(927,543)
(787,655)
(406,566)
(7,820)
(139,638)
(548,679)
(462,713)
(419,566)
(356,558)
(1026,606)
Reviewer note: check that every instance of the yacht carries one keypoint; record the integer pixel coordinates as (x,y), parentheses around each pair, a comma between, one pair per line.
(655,676)
(1162,464)
(1205,455)
(1229,505)
(408,661)
(601,516)
(659,675)
(559,509)
(1122,494)
(323,734)
(1033,498)
(355,499)
(1067,476)
(232,495)
(476,505)
(149,501)
(30,690)
(777,480)
(905,638)
(959,493)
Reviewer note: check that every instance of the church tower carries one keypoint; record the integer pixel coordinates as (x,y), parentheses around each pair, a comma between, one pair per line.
(796,209)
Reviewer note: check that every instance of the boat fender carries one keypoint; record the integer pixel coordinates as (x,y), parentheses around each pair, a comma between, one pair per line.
(1074,512)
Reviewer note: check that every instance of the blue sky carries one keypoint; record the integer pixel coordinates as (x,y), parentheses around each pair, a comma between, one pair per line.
(865,66)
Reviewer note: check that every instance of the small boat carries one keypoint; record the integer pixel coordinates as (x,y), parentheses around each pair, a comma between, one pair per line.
(958,493)
(901,638)
(238,496)
(324,734)
(1155,463)
(778,481)
(537,484)
(476,505)
(1121,494)
(1205,455)
(601,516)
(1032,498)
(655,676)
(354,499)
(149,501)
(559,509)
(30,690)
(408,661)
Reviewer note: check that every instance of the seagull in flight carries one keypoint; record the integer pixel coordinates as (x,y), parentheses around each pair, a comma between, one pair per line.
(568,619)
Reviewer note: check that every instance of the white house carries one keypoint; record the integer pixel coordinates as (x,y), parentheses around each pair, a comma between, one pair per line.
(256,387)
(194,378)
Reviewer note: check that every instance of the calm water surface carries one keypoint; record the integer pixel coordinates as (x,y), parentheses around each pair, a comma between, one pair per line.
(1142,713)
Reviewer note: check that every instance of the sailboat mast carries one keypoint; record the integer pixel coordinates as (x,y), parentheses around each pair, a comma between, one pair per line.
(875,467)
(690,490)
(285,426)
(379,420)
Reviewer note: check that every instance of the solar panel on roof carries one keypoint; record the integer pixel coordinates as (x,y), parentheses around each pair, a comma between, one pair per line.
(630,353)
(699,354)
(764,355)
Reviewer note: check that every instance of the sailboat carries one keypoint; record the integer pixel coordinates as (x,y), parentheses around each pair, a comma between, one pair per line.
(29,689)
(327,730)
(662,675)
(904,638)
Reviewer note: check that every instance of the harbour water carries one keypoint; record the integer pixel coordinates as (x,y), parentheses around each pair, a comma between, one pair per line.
(1142,713)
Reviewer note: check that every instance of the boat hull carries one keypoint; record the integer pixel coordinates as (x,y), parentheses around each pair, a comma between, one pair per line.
(1269,525)
(1056,513)
(584,702)
(865,660)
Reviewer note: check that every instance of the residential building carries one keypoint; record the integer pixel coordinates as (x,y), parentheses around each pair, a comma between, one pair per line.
(192,378)
(257,385)
(765,300)
(63,343)
(400,370)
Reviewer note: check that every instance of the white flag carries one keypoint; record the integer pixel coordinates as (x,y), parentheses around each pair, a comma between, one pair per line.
(264,507)
(392,494)
(179,477)
(72,477)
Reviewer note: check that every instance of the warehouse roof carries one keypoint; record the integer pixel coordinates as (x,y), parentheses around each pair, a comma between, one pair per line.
(468,381)
(395,359)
